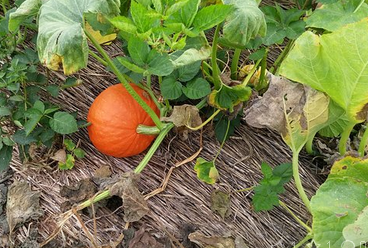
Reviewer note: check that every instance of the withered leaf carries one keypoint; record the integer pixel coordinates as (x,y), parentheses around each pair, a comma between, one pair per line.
(134,204)
(211,242)
(221,203)
(81,191)
(184,115)
(22,205)
(142,239)
(59,156)
(296,111)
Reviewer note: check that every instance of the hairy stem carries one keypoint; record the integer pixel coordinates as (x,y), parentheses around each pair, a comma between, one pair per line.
(223,141)
(215,68)
(363,143)
(344,138)
(234,63)
(298,182)
(262,79)
(148,130)
(281,57)
(124,82)
(309,236)
(98,58)
(295,217)
(164,131)
(309,145)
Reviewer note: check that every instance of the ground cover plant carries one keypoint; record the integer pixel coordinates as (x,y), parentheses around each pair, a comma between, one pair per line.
(172,71)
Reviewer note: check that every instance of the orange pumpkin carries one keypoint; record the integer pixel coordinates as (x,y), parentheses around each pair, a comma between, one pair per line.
(114,116)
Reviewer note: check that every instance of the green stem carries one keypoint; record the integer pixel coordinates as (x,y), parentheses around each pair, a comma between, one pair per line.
(280,58)
(205,122)
(3,6)
(223,141)
(164,131)
(215,68)
(202,103)
(98,58)
(363,143)
(148,81)
(262,79)
(245,190)
(309,146)
(309,236)
(344,138)
(295,217)
(250,74)
(298,182)
(148,130)
(103,195)
(234,63)
(125,83)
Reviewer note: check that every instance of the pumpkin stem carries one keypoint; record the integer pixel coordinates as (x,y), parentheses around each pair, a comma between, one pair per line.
(124,82)
(149,130)
(205,122)
(164,131)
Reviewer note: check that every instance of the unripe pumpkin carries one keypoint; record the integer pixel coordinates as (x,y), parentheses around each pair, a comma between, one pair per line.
(114,116)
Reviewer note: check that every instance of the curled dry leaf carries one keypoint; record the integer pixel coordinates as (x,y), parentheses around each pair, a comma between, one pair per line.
(296,111)
(134,205)
(22,205)
(143,239)
(211,242)
(59,156)
(81,191)
(184,115)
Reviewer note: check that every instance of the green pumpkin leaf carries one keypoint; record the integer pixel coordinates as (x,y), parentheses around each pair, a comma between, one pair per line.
(210,16)
(27,9)
(266,193)
(69,144)
(69,163)
(61,39)
(171,89)
(197,88)
(282,24)
(138,50)
(188,72)
(227,97)
(339,207)
(20,137)
(333,16)
(337,119)
(6,153)
(206,171)
(185,14)
(63,123)
(143,18)
(313,61)
(191,56)
(79,153)
(4,111)
(34,116)
(126,62)
(159,64)
(124,24)
(245,16)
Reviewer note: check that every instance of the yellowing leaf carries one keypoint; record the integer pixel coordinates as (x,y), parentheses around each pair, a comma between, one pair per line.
(102,39)
(206,171)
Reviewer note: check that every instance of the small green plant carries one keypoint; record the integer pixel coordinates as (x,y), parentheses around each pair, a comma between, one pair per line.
(70,153)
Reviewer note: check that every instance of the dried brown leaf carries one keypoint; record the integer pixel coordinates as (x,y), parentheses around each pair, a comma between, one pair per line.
(134,205)
(59,156)
(184,115)
(81,191)
(23,204)
(211,242)
(142,239)
(221,203)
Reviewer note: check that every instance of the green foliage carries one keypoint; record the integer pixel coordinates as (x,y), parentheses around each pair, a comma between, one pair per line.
(333,16)
(226,98)
(266,194)
(314,62)
(62,40)
(340,204)
(28,9)
(282,24)
(247,17)
(73,152)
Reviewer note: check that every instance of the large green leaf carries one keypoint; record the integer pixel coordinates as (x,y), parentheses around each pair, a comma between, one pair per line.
(339,207)
(185,14)
(342,75)
(61,39)
(246,21)
(26,9)
(6,153)
(210,16)
(335,15)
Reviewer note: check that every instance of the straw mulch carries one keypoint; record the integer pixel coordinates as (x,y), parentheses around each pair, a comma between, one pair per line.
(185,203)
